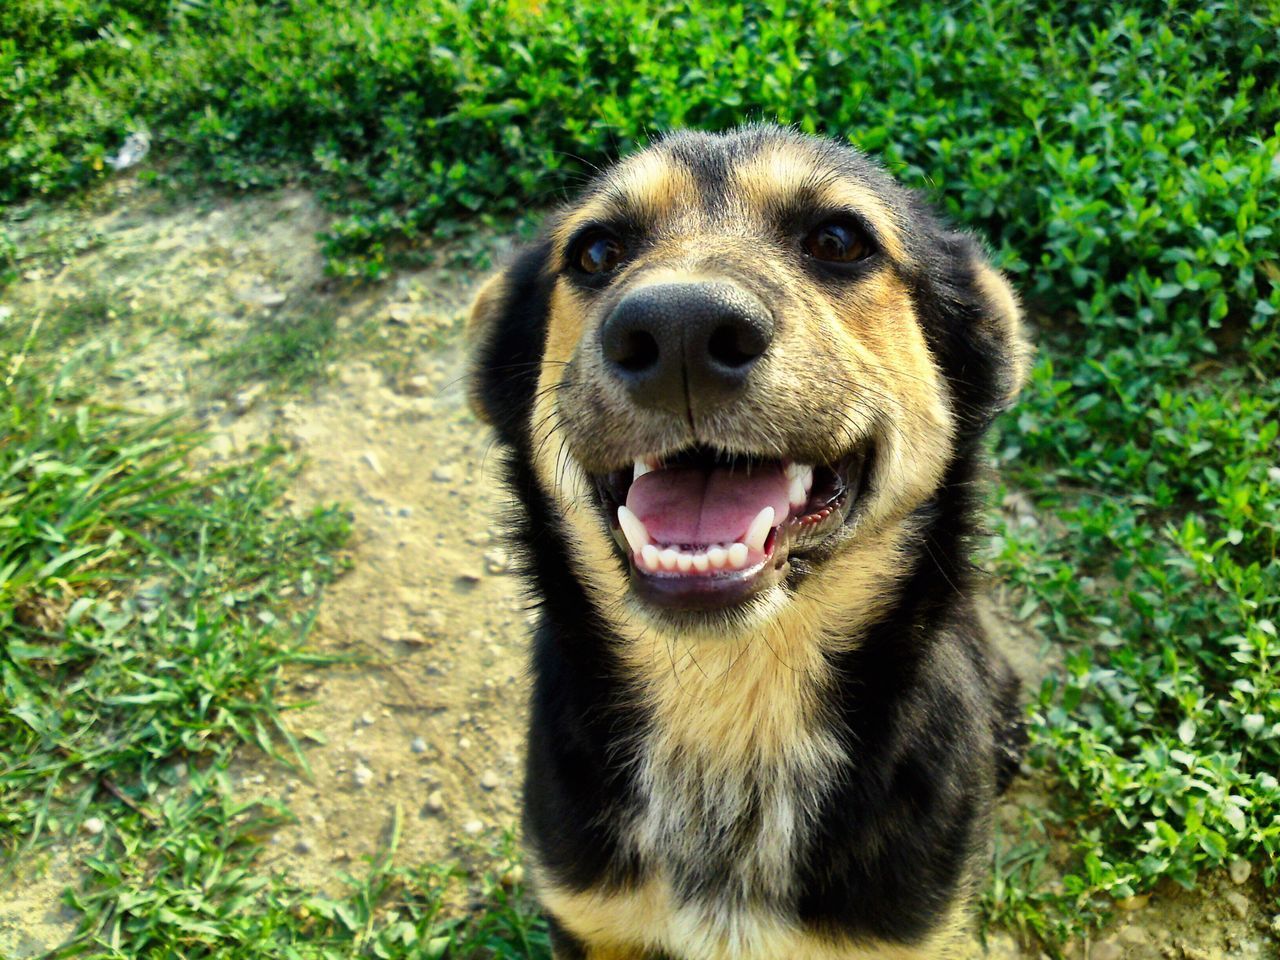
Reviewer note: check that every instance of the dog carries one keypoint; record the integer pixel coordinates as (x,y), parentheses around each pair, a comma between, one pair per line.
(740,386)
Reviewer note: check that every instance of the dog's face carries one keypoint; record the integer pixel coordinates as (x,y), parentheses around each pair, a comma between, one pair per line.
(736,363)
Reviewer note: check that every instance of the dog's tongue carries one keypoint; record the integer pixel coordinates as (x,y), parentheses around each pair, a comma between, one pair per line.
(689,505)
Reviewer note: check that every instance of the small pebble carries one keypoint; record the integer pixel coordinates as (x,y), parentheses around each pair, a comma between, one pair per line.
(371,459)
(361,776)
(1238,903)
(303,846)
(418,385)
(366,719)
(1239,871)
(473,828)
(435,801)
(341,855)
(442,473)
(489,780)
(464,743)
(497,561)
(418,745)
(93,826)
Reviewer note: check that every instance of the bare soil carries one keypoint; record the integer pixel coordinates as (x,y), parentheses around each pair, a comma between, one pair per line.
(430,718)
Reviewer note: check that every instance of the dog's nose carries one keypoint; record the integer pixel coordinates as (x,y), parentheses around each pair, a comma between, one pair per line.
(685,347)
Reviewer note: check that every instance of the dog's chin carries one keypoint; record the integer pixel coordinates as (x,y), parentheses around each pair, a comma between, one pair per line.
(714,537)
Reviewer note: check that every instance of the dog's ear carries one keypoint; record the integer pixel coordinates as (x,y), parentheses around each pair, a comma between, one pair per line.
(485,311)
(1001,321)
(505,332)
(974,324)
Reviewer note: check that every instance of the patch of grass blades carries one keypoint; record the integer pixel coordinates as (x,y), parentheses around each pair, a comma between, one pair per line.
(288,352)
(148,611)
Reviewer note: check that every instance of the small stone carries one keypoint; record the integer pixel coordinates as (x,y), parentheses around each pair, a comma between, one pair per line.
(417,386)
(366,719)
(473,828)
(418,745)
(489,780)
(413,638)
(341,855)
(220,446)
(464,743)
(371,459)
(435,801)
(1238,903)
(401,313)
(497,561)
(303,846)
(272,298)
(1239,871)
(307,684)
(442,473)
(1133,935)
(1107,950)
(467,578)
(93,826)
(361,776)
(242,402)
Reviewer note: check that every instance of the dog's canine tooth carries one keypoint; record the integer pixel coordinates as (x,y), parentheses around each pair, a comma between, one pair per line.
(759,529)
(717,556)
(633,529)
(641,468)
(649,556)
(738,555)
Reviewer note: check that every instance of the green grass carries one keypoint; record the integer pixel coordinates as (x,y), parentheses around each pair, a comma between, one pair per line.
(1121,157)
(148,610)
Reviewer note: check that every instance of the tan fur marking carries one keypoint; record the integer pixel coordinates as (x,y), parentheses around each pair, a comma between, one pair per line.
(784,170)
(999,293)
(628,924)
(645,185)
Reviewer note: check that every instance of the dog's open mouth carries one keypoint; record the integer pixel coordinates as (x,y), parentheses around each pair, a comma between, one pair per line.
(705,530)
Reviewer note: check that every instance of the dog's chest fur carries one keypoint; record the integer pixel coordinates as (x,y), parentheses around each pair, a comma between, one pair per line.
(731,772)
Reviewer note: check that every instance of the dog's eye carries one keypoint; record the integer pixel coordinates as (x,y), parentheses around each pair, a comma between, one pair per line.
(837,242)
(599,252)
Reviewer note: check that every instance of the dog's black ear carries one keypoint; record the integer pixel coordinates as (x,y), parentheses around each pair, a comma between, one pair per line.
(1000,324)
(505,331)
(974,323)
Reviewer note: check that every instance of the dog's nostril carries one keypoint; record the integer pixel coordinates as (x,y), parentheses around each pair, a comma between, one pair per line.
(733,345)
(635,351)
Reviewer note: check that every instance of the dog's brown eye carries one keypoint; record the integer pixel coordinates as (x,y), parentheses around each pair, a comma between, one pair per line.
(837,242)
(599,253)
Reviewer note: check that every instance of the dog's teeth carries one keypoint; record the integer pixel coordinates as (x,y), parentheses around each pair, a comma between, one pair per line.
(759,529)
(650,556)
(801,479)
(738,555)
(669,558)
(700,562)
(641,468)
(633,529)
(684,562)
(717,556)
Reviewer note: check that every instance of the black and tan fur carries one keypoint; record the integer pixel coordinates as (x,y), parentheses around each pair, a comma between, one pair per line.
(812,775)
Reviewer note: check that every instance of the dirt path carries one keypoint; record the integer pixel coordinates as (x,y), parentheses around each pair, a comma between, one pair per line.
(431,721)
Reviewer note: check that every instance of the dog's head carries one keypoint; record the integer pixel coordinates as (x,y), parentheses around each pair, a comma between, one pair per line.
(738,362)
